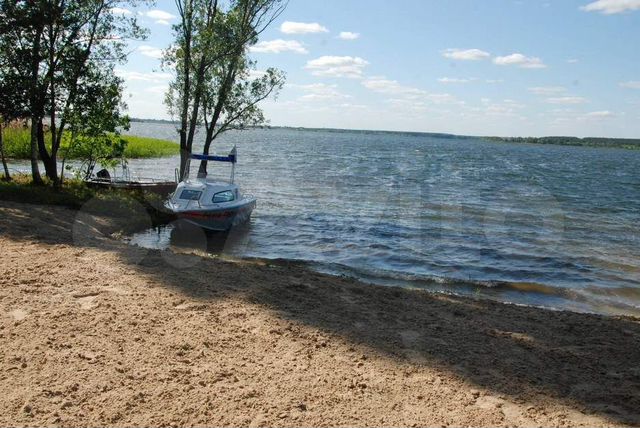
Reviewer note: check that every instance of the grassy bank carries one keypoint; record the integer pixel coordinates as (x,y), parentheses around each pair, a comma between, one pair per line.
(131,209)
(17,145)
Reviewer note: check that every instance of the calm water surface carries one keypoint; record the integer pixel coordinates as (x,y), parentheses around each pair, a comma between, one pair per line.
(542,225)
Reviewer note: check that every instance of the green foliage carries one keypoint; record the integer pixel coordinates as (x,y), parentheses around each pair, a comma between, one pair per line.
(57,60)
(17,142)
(214,85)
(144,147)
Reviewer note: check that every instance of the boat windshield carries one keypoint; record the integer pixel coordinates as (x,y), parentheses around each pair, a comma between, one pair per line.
(192,195)
(226,196)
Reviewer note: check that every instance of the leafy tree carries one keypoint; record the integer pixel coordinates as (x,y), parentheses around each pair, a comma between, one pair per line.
(51,45)
(212,85)
(93,133)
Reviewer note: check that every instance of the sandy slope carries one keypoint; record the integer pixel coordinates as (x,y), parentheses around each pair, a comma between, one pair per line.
(93,332)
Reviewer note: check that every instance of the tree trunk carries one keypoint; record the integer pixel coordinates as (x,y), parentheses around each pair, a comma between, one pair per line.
(35,169)
(202,170)
(184,161)
(7,176)
(49,160)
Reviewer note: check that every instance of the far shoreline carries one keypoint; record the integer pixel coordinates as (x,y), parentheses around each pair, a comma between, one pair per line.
(598,142)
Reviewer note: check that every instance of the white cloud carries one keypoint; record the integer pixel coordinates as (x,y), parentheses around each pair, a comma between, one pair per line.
(632,84)
(547,90)
(573,61)
(348,35)
(610,7)
(289,27)
(279,45)
(519,60)
(453,80)
(466,54)
(120,11)
(604,114)
(256,74)
(494,81)
(337,66)
(159,16)
(150,51)
(409,94)
(566,100)
(392,87)
(143,77)
(320,92)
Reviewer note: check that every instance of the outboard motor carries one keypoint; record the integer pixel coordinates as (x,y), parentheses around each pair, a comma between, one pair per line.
(103,175)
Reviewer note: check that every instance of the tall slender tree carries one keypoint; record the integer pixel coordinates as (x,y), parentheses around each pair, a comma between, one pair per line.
(212,85)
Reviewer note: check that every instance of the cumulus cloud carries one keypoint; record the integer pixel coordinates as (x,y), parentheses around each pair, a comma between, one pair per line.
(547,90)
(409,94)
(348,35)
(632,84)
(150,51)
(519,60)
(566,100)
(158,16)
(610,7)
(289,27)
(466,54)
(453,80)
(392,87)
(278,46)
(337,66)
(143,77)
(120,11)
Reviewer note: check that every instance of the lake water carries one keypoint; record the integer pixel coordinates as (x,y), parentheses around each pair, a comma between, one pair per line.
(543,225)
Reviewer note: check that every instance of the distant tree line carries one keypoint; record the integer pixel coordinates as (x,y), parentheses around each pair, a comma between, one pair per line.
(626,143)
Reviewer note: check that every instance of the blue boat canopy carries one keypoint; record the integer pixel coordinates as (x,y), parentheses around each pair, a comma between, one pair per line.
(231,158)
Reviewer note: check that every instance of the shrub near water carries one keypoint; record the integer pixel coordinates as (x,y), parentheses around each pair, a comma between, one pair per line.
(17,145)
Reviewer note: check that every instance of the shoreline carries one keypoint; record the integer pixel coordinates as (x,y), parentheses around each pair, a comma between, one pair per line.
(101,333)
(589,300)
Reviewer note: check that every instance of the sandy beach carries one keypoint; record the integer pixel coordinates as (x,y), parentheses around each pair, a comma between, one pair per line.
(94,332)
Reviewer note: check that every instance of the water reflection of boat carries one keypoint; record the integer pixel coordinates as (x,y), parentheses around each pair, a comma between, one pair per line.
(210,203)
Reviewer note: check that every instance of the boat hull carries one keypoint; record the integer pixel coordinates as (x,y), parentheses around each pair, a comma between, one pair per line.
(221,219)
(162,188)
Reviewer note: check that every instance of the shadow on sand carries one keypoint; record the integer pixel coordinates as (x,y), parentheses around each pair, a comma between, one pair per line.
(588,362)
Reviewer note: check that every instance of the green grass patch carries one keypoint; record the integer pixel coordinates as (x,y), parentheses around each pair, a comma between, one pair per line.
(144,147)
(17,145)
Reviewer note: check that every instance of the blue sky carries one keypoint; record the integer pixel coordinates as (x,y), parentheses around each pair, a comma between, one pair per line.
(490,67)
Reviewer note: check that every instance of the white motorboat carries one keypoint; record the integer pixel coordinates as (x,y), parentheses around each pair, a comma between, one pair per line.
(211,203)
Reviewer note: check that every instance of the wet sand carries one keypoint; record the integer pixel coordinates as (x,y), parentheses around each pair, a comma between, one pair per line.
(95,332)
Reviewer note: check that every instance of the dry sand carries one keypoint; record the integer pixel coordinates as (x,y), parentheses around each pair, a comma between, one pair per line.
(93,332)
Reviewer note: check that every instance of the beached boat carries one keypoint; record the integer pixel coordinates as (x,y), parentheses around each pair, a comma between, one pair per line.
(103,180)
(211,203)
